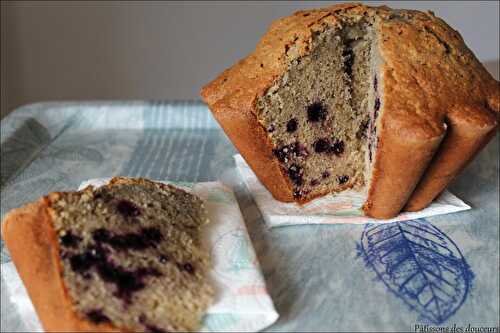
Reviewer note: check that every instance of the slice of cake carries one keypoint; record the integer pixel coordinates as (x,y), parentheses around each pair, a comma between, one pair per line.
(388,102)
(122,257)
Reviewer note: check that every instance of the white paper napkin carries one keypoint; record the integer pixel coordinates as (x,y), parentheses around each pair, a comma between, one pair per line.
(343,207)
(242,302)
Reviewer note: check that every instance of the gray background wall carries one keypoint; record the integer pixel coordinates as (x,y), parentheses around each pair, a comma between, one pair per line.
(163,50)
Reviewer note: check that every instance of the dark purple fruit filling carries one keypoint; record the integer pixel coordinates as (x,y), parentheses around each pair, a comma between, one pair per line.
(271,128)
(291,125)
(150,328)
(325,146)
(295,173)
(280,154)
(154,329)
(150,271)
(377,104)
(316,112)
(126,282)
(314,182)
(101,235)
(337,147)
(128,208)
(348,56)
(321,145)
(163,258)
(342,179)
(69,240)
(147,237)
(285,153)
(152,235)
(83,262)
(97,317)
(325,174)
(187,267)
(375,83)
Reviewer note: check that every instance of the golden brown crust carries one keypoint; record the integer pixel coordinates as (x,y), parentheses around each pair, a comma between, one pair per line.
(250,139)
(31,239)
(464,139)
(429,78)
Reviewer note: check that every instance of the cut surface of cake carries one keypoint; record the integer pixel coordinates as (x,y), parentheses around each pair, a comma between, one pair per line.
(123,257)
(388,102)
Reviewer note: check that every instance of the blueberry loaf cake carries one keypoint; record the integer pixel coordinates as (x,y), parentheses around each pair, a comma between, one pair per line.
(389,102)
(124,257)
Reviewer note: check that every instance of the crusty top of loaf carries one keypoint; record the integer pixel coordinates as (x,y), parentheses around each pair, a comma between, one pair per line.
(428,71)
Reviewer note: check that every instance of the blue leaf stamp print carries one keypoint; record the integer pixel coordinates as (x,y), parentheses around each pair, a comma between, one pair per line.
(419,264)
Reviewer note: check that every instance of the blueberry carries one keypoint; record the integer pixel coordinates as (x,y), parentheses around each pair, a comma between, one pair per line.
(126,282)
(342,179)
(377,104)
(348,55)
(187,267)
(97,317)
(83,262)
(154,329)
(128,208)
(285,153)
(142,272)
(281,153)
(337,147)
(147,237)
(101,235)
(321,145)
(150,328)
(152,235)
(325,174)
(324,145)
(271,128)
(70,240)
(163,258)
(316,112)
(295,173)
(292,125)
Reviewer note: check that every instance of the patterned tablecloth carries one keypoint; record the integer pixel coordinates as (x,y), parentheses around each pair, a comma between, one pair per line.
(441,271)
